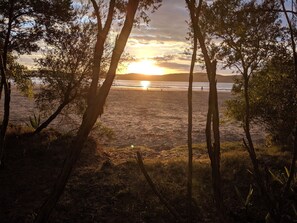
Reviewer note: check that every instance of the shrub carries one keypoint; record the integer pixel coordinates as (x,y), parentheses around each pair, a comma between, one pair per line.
(272,98)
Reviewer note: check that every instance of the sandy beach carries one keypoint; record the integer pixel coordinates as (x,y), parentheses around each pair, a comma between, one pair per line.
(156,119)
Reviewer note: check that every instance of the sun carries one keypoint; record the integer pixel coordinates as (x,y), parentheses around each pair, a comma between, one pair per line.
(145,84)
(147,67)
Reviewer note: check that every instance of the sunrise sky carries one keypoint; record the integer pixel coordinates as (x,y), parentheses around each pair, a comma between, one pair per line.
(159,47)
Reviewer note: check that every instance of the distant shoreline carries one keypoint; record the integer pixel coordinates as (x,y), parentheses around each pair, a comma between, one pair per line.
(168,85)
(183,77)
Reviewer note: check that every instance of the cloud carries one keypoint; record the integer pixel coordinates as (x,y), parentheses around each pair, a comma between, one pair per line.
(162,40)
(175,66)
(164,58)
(167,23)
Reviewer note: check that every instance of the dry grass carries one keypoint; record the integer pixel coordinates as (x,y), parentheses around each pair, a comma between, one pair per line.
(107,186)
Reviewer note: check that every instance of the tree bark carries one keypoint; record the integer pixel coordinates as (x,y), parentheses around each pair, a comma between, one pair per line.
(99,47)
(5,85)
(294,157)
(190,127)
(270,203)
(213,142)
(6,113)
(91,114)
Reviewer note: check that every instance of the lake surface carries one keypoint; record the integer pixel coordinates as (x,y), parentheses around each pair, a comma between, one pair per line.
(168,85)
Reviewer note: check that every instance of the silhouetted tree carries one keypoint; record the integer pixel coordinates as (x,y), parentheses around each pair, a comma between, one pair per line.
(212,125)
(22,23)
(248,31)
(292,27)
(190,117)
(66,67)
(272,98)
(97,94)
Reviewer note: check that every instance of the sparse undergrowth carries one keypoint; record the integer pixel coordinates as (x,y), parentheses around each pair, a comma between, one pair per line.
(107,186)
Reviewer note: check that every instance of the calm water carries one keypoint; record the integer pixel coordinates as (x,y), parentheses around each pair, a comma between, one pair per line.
(161,85)
(168,85)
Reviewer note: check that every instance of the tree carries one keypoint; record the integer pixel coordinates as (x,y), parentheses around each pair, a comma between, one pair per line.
(22,24)
(249,33)
(292,37)
(212,124)
(97,94)
(272,98)
(65,69)
(20,75)
(190,117)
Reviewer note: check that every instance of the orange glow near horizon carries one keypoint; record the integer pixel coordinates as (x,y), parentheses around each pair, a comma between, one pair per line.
(147,67)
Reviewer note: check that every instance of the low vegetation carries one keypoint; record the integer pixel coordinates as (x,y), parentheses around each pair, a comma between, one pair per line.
(113,187)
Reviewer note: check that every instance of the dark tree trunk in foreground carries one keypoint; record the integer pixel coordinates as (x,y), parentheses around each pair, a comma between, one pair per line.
(190,126)
(213,147)
(169,207)
(212,124)
(50,118)
(4,84)
(294,157)
(94,109)
(6,111)
(269,202)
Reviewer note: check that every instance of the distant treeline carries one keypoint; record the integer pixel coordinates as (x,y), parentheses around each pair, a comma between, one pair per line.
(198,77)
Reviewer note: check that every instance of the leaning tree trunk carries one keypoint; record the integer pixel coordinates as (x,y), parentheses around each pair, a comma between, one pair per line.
(75,149)
(51,118)
(95,107)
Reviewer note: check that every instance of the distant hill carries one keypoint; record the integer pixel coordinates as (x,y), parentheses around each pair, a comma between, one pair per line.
(198,77)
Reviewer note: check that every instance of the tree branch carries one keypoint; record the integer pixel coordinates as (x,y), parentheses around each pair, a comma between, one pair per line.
(155,190)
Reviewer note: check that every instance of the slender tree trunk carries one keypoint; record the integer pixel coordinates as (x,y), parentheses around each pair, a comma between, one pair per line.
(75,149)
(99,46)
(270,203)
(170,208)
(190,127)
(212,123)
(214,147)
(294,157)
(51,118)
(92,112)
(5,85)
(6,112)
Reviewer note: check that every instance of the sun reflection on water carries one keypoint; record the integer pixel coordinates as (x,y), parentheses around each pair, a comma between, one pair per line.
(145,84)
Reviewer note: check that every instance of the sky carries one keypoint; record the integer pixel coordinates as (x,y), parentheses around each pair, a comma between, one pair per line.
(162,43)
(159,47)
